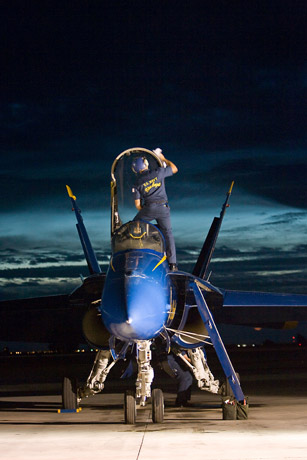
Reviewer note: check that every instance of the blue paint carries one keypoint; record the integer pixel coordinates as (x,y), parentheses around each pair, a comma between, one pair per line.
(136,297)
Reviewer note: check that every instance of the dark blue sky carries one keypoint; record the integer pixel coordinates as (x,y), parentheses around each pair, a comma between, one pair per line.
(219,86)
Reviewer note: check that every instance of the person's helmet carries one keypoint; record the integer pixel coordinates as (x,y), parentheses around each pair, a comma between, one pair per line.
(139,164)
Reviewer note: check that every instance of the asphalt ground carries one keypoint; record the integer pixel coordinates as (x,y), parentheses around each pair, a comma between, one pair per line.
(32,428)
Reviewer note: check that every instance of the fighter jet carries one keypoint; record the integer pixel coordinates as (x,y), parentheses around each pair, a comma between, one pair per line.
(139,304)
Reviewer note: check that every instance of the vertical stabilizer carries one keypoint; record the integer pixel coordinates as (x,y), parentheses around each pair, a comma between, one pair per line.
(89,253)
(201,267)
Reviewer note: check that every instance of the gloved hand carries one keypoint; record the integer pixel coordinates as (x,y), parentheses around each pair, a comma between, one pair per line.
(158,152)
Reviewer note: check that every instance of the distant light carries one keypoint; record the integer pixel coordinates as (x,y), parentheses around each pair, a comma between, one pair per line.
(257,329)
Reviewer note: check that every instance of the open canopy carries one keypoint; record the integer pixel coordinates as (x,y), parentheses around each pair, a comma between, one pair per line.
(122,181)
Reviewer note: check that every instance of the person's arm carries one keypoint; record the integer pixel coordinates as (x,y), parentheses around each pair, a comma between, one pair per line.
(138,204)
(168,162)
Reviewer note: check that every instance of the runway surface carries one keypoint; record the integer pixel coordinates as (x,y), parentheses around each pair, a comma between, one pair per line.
(31,427)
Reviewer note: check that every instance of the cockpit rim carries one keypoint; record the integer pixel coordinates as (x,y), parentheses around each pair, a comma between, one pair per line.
(139,249)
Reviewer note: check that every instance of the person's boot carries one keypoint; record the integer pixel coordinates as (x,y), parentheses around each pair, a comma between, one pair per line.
(182,398)
(173,267)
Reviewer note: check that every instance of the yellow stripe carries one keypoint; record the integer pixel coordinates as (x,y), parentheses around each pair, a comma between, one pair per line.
(137,237)
(160,262)
(111,263)
(69,191)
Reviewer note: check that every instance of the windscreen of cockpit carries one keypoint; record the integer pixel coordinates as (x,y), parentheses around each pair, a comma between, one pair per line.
(125,180)
(137,235)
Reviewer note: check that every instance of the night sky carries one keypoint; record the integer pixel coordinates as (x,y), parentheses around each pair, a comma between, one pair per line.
(220,86)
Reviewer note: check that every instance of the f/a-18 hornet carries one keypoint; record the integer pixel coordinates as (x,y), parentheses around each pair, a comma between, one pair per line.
(139,302)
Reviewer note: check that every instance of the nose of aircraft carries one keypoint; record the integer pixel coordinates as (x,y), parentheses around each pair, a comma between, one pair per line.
(146,305)
(135,308)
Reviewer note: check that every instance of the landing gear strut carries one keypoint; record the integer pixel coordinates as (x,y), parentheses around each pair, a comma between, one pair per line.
(143,387)
(99,372)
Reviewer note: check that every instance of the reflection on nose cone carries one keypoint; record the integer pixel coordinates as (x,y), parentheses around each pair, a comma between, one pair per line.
(134,307)
(146,306)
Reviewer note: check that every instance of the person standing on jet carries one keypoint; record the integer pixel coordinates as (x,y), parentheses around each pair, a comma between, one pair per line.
(151,201)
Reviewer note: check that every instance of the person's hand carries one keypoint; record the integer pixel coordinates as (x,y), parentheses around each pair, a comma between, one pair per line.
(159,153)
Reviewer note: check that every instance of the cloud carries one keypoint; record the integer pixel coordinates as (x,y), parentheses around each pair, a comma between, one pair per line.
(287,218)
(281,179)
(266,269)
(222,94)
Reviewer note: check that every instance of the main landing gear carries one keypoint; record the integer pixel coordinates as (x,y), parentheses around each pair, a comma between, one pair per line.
(133,400)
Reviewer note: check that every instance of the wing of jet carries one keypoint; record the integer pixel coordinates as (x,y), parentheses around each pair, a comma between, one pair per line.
(139,303)
(261,309)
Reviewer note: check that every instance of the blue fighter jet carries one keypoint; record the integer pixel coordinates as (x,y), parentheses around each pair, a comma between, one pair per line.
(139,303)
(142,301)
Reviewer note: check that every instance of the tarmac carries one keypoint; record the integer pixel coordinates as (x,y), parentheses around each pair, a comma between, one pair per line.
(32,428)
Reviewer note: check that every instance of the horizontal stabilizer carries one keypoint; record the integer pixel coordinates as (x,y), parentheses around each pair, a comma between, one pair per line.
(261,309)
(262,299)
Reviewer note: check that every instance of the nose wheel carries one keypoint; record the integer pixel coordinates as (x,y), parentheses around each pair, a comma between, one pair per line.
(157,403)
(143,391)
(130,407)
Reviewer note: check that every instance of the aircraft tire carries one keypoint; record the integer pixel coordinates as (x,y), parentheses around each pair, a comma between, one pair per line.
(130,407)
(69,393)
(157,402)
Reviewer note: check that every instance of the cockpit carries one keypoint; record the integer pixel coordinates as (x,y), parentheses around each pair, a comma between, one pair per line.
(138,235)
(122,181)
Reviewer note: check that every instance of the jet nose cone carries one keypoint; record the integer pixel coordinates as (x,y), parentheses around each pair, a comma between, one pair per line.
(134,307)
(146,305)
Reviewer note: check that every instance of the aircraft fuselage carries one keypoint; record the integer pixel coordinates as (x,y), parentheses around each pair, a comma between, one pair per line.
(136,297)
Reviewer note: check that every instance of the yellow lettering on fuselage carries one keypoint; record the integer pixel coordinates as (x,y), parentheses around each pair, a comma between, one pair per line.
(151,184)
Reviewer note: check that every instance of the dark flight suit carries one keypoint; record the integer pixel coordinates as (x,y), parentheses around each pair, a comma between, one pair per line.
(183,377)
(150,189)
